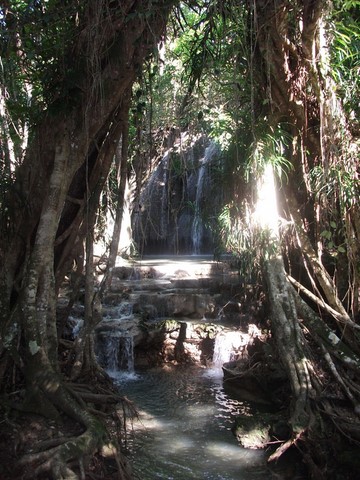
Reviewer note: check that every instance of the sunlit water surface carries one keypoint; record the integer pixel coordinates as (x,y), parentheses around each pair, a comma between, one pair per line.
(184,430)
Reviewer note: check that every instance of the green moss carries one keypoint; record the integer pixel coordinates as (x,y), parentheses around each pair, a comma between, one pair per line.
(253,431)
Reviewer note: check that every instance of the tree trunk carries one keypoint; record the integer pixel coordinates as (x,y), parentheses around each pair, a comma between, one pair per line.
(38,295)
(290,343)
(65,166)
(121,161)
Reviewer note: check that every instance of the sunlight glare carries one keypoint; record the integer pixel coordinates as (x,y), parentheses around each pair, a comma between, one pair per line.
(223,449)
(266,210)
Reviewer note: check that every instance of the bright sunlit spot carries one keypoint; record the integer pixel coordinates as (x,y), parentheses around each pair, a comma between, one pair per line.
(168,266)
(266,210)
(223,449)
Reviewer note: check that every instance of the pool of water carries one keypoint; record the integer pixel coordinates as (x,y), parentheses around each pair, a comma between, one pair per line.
(184,427)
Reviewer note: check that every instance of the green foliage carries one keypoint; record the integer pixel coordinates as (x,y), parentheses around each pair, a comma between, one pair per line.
(177,166)
(345,56)
(337,190)
(270,148)
(329,236)
(239,238)
(335,183)
(198,77)
(346,5)
(36,37)
(222,125)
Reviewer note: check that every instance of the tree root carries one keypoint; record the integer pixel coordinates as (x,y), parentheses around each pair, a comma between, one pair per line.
(66,457)
(105,399)
(284,447)
(56,459)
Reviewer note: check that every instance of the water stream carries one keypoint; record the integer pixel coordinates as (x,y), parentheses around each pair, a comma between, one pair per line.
(185,414)
(197,228)
(184,428)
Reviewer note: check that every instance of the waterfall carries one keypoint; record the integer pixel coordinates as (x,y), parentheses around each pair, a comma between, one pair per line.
(164,196)
(122,311)
(227,347)
(126,354)
(75,324)
(116,352)
(110,353)
(197,226)
(197,229)
(180,193)
(151,217)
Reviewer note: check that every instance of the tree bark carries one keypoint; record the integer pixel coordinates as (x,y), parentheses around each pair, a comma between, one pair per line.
(121,160)
(290,343)
(71,150)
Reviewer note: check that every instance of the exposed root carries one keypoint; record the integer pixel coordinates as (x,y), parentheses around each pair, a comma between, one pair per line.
(95,417)
(283,448)
(55,460)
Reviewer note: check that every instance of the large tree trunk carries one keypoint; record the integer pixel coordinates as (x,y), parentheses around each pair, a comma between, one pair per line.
(61,179)
(290,343)
(301,99)
(37,299)
(286,329)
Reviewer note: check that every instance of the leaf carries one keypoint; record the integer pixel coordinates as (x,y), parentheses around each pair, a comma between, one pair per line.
(333,224)
(326,234)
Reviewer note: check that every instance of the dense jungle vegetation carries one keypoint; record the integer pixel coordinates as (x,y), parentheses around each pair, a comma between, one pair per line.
(90,94)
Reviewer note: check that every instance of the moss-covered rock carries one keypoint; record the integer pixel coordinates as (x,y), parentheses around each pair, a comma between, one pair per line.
(253,431)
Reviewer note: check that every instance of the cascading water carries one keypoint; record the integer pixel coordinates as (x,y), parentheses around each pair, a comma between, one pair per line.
(179,194)
(151,218)
(121,312)
(164,196)
(227,347)
(197,229)
(109,352)
(126,354)
(114,340)
(116,352)
(186,412)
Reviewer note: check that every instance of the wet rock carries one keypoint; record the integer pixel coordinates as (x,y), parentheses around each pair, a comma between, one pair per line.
(253,431)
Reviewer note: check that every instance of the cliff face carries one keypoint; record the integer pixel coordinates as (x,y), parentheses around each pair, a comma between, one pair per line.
(180,201)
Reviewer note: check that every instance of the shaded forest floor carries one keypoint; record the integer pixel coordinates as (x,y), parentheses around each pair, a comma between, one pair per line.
(23,433)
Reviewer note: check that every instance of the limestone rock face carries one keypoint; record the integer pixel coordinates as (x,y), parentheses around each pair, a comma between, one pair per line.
(182,310)
(180,201)
(169,311)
